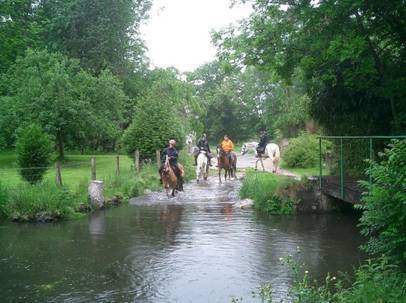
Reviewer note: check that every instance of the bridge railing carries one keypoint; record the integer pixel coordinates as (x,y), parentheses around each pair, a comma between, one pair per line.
(346,163)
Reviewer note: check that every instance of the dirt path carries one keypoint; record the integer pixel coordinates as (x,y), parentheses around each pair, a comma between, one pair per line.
(248,161)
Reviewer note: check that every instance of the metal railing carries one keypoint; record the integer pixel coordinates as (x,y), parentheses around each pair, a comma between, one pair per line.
(341,168)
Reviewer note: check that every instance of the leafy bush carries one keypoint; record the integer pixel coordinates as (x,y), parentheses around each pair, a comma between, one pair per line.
(384,216)
(303,151)
(138,187)
(264,189)
(34,150)
(154,123)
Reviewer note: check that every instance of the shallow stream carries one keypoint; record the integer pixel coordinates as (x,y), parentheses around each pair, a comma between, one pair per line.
(198,247)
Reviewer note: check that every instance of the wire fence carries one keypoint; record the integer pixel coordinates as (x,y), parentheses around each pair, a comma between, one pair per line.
(73,173)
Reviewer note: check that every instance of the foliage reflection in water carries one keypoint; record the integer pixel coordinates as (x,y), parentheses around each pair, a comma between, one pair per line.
(197,247)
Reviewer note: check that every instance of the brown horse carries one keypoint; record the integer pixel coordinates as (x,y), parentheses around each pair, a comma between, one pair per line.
(224,162)
(169,179)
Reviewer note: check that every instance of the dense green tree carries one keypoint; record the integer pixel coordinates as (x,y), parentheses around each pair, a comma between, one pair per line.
(240,101)
(352,55)
(54,92)
(287,107)
(180,95)
(231,100)
(34,150)
(155,122)
(18,30)
(100,33)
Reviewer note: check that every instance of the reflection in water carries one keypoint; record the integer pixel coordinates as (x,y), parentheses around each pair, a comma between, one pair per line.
(97,224)
(194,248)
(228,212)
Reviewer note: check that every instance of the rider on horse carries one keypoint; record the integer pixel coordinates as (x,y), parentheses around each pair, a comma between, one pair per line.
(227,145)
(172,154)
(263,141)
(203,145)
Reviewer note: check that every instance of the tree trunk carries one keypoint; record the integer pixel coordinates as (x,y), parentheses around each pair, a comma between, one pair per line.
(60,146)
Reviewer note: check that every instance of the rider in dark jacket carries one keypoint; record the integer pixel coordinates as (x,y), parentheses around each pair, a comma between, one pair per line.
(263,141)
(203,144)
(172,154)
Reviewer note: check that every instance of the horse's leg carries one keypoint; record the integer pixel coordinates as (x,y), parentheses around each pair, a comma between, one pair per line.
(262,164)
(256,164)
(219,174)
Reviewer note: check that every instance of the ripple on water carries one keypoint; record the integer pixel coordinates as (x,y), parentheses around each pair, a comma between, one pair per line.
(196,247)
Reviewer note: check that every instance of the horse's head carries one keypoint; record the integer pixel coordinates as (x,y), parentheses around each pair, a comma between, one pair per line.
(220,152)
(189,139)
(244,149)
(219,149)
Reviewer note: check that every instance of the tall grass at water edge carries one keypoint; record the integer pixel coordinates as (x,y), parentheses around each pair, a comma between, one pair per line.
(266,189)
(22,201)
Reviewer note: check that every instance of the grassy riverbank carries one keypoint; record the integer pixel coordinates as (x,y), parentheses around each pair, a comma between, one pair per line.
(45,201)
(266,189)
(377,281)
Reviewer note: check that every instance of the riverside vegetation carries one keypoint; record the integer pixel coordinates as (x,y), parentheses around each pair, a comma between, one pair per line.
(382,278)
(45,201)
(266,189)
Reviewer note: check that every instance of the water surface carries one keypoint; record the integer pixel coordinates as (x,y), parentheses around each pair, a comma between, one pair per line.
(195,248)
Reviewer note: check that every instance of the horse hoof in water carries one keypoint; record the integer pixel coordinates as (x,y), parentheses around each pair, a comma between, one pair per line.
(197,180)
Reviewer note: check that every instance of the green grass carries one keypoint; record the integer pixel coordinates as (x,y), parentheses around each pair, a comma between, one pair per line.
(27,201)
(310,171)
(266,191)
(74,169)
(21,200)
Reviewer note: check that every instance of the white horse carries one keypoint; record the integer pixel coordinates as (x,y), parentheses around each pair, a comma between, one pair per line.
(247,146)
(272,151)
(202,166)
(189,142)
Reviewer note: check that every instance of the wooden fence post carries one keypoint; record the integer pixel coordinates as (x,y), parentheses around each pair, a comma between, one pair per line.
(93,162)
(58,173)
(137,161)
(117,165)
(158,158)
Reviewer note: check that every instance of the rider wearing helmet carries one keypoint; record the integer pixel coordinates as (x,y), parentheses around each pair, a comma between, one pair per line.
(263,141)
(172,155)
(203,145)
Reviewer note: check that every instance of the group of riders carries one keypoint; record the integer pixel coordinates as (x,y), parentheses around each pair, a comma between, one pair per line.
(171,154)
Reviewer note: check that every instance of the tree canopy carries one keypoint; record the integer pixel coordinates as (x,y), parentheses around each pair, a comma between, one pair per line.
(69,103)
(351,53)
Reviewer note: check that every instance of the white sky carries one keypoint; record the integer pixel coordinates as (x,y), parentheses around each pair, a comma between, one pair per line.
(178,31)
